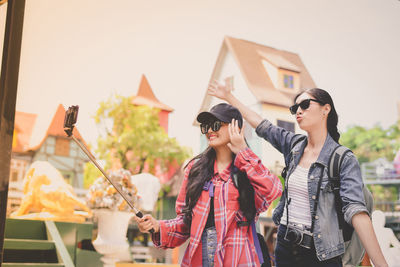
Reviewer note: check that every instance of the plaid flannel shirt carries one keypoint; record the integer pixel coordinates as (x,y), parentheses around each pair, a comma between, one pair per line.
(235,244)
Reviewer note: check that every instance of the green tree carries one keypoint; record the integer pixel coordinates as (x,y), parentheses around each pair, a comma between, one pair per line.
(374,143)
(91,173)
(135,137)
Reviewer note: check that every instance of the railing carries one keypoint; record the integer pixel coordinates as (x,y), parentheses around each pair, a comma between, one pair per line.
(374,173)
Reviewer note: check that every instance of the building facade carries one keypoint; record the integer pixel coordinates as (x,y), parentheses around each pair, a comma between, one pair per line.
(53,146)
(265,79)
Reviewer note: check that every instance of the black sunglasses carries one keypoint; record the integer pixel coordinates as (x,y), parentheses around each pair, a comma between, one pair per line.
(215,126)
(305,104)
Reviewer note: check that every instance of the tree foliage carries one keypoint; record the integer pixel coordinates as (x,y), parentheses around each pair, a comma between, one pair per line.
(135,137)
(91,173)
(371,144)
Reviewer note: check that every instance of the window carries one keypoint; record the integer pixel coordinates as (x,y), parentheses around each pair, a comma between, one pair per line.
(288,81)
(286,125)
(62,147)
(14,176)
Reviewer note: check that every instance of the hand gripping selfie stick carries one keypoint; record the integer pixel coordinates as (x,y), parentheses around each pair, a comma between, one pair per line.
(69,122)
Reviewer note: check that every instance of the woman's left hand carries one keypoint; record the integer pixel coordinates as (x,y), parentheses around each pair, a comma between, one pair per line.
(237,137)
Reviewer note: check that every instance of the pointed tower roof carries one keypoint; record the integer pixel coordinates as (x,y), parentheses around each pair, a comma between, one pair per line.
(56,128)
(145,96)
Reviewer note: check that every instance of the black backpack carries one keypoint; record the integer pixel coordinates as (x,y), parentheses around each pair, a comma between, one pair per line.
(335,163)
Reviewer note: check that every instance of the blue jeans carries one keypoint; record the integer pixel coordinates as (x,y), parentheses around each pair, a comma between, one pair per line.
(289,255)
(209,245)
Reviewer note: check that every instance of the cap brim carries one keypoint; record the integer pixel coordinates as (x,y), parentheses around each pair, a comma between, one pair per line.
(205,117)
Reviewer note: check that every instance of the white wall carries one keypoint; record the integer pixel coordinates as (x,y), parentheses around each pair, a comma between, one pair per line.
(273,114)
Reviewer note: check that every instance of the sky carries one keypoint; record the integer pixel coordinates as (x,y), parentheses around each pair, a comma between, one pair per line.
(81,52)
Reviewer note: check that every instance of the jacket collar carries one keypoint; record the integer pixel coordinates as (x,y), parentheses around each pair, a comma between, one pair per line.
(324,155)
(326,151)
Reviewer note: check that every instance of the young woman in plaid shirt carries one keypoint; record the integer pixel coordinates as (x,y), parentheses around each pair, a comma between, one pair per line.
(213,213)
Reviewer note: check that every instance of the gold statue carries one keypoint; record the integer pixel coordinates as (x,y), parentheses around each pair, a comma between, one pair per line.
(47,196)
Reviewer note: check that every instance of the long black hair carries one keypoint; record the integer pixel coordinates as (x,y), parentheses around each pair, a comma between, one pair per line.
(325,98)
(202,171)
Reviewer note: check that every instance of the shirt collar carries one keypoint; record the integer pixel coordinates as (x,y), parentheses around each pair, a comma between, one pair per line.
(225,174)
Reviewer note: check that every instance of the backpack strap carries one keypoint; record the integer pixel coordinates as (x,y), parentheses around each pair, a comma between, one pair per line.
(335,163)
(235,178)
(257,243)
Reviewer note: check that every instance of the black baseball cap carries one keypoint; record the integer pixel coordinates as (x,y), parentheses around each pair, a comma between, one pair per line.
(222,112)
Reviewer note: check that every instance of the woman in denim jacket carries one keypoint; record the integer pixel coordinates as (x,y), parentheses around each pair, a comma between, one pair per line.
(313,237)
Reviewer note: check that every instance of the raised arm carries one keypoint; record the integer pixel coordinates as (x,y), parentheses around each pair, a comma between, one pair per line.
(266,185)
(224,92)
(278,137)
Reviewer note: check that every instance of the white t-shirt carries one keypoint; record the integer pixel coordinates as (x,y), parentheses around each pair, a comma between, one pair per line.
(299,207)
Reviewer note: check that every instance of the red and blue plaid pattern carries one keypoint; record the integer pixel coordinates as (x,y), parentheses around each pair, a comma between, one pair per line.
(235,244)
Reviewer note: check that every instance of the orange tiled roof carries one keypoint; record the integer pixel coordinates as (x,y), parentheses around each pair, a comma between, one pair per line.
(145,96)
(56,128)
(25,124)
(249,56)
(23,127)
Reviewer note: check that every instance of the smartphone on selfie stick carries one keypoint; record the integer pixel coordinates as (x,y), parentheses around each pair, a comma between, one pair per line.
(71,116)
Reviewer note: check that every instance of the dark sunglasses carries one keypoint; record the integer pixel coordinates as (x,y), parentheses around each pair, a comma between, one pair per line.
(215,126)
(305,104)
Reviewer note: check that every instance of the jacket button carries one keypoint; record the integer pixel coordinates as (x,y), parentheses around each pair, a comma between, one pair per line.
(323,256)
(312,177)
(319,236)
(313,197)
(316,217)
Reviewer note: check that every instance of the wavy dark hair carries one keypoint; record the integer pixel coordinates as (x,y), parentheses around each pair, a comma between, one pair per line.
(201,172)
(325,98)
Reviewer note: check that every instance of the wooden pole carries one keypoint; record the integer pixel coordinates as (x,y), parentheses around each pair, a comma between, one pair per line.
(8,96)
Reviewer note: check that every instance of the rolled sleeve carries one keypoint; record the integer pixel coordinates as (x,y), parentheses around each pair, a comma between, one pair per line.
(352,210)
(172,233)
(246,156)
(351,188)
(278,137)
(262,128)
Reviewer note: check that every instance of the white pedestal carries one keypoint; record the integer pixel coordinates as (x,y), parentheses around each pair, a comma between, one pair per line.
(111,238)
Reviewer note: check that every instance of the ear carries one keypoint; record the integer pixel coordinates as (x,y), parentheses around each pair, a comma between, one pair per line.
(326,109)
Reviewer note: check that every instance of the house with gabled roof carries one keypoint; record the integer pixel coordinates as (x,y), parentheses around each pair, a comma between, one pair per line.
(266,79)
(31,143)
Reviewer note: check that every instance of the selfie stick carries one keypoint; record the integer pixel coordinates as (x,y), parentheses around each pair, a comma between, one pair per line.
(69,122)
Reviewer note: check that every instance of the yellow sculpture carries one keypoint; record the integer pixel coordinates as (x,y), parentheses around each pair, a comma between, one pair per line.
(47,196)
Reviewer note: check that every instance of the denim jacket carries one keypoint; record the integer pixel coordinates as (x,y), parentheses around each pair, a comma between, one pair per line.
(328,238)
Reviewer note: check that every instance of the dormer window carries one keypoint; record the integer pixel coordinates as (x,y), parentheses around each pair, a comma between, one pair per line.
(288,81)
(284,74)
